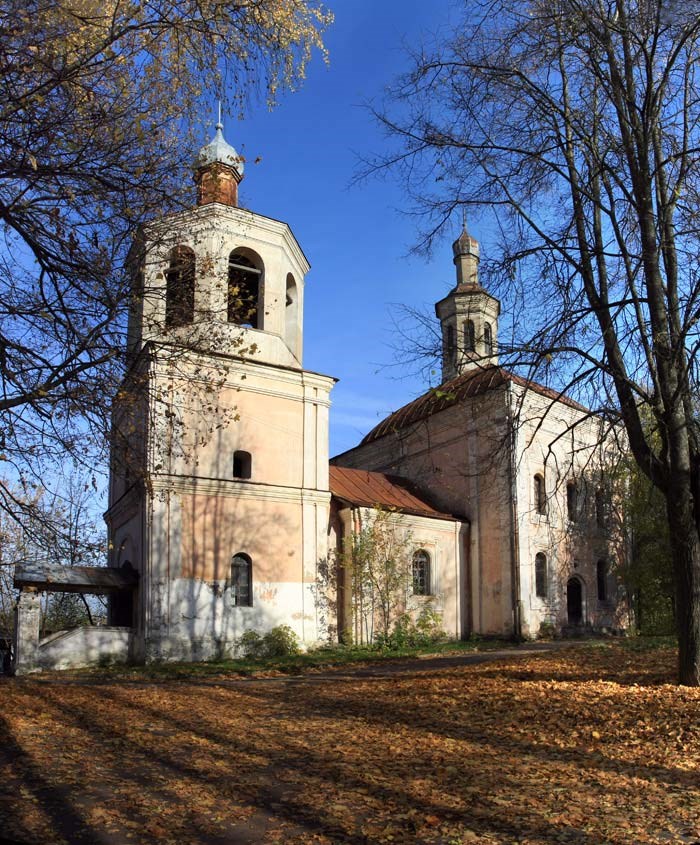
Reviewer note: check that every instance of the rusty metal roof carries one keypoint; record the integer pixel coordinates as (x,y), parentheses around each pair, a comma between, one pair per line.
(469,384)
(370,489)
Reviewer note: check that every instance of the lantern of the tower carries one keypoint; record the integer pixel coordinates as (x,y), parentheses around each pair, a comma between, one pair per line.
(218,171)
(468,315)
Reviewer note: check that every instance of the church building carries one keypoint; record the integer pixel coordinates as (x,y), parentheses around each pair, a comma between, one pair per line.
(225,514)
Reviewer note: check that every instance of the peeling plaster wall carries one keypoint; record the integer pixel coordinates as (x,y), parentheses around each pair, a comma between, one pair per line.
(458,456)
(461,457)
(563,444)
(84,647)
(203,623)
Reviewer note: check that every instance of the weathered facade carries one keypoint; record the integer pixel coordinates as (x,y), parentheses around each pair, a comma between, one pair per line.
(528,468)
(219,494)
(222,517)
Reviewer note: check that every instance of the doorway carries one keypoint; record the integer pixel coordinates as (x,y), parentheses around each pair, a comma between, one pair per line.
(574,601)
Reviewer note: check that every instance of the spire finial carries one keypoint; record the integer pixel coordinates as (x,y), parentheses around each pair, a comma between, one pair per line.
(219,124)
(464,219)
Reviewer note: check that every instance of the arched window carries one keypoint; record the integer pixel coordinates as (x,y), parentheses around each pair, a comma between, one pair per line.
(450,342)
(243,290)
(469,336)
(291,313)
(179,287)
(488,339)
(572,501)
(242,580)
(540,495)
(601,571)
(242,464)
(540,575)
(421,573)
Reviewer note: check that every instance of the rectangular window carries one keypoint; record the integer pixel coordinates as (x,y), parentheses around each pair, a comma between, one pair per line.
(242,465)
(572,503)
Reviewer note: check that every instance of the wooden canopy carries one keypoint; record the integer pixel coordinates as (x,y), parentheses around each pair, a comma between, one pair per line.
(52,577)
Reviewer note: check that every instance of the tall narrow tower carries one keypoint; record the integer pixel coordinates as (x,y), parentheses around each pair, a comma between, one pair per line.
(219,485)
(468,315)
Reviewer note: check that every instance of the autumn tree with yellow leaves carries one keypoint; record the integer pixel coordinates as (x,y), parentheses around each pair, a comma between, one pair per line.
(98,124)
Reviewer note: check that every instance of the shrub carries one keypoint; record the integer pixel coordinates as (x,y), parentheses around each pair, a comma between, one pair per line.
(280,641)
(406,633)
(429,626)
(547,631)
(250,643)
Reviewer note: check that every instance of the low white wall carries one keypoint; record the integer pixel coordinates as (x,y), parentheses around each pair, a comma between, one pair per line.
(89,646)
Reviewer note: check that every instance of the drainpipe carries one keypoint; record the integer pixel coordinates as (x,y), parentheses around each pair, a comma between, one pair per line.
(514,529)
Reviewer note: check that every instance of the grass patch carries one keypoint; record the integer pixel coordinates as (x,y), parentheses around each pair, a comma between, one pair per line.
(314,659)
(328,657)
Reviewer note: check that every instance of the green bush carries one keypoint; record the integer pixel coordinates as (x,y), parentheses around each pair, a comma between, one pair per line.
(406,633)
(547,631)
(250,643)
(280,641)
(429,626)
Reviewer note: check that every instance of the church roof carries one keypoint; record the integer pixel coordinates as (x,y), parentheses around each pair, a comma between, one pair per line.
(371,489)
(471,383)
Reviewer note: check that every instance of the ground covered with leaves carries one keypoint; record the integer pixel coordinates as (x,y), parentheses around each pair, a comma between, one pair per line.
(584,745)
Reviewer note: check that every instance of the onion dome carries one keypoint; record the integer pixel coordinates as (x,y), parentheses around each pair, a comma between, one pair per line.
(219,151)
(465,244)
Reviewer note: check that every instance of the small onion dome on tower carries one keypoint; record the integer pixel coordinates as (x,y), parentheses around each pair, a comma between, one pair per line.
(466,258)
(218,170)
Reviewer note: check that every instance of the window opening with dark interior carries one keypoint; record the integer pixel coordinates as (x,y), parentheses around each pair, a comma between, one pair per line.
(179,287)
(600,508)
(243,290)
(540,494)
(242,580)
(488,339)
(602,579)
(242,464)
(450,342)
(469,336)
(572,501)
(421,573)
(541,575)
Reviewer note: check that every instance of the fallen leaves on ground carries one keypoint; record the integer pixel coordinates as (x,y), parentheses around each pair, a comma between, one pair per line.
(584,746)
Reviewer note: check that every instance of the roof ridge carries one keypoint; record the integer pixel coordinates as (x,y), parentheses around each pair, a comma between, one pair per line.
(474,382)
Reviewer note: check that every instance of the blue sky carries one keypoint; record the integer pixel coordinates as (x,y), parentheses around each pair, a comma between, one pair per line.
(356,238)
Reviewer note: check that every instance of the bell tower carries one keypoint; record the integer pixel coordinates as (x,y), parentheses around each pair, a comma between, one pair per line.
(468,315)
(220,277)
(219,491)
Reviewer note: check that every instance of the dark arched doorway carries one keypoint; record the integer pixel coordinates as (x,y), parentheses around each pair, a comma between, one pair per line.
(574,601)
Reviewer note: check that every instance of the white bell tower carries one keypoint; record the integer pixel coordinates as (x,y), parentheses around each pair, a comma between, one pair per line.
(468,315)
(219,491)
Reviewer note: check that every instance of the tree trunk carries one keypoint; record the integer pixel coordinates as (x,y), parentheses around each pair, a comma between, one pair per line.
(685,546)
